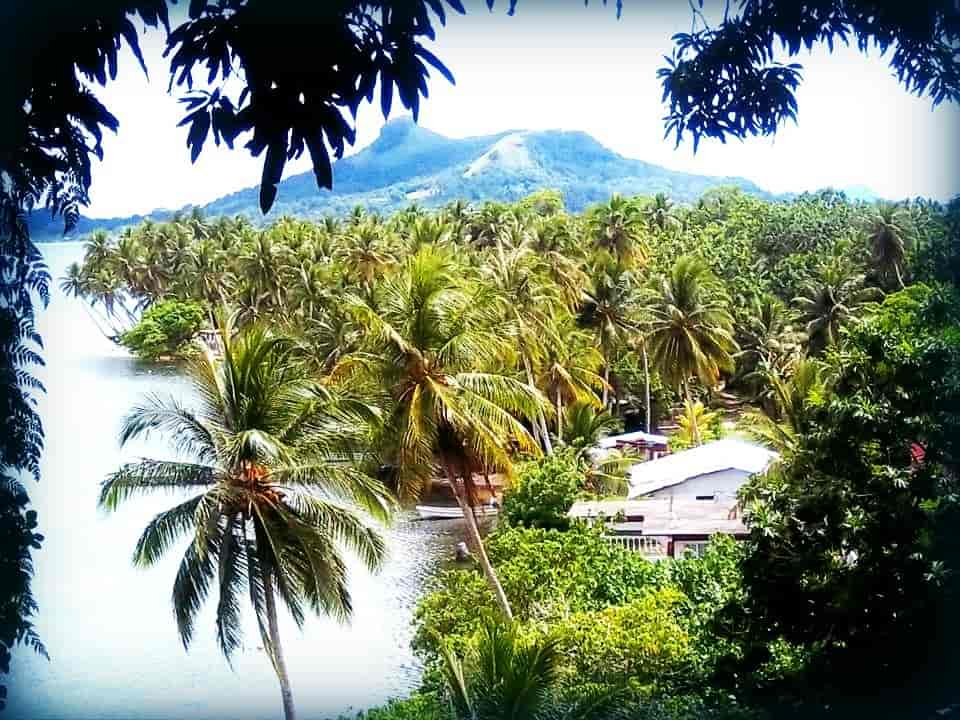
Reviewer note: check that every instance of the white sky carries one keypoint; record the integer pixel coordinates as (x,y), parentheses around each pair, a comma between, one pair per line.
(572,68)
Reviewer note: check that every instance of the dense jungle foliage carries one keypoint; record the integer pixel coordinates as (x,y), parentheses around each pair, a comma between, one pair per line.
(591,299)
(831,325)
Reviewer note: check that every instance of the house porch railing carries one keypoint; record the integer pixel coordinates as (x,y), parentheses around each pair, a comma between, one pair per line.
(651,546)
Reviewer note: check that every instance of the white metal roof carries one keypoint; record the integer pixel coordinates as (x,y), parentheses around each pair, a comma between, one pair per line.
(726,454)
(612,440)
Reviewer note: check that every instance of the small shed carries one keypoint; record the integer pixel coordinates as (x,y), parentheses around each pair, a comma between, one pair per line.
(652,446)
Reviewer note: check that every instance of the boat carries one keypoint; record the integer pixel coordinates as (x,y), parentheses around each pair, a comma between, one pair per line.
(451,512)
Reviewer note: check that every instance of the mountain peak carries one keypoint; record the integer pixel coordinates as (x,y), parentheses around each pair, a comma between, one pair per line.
(402,131)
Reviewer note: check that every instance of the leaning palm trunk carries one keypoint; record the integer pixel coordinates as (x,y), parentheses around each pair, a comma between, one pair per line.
(474,539)
(276,651)
(646,385)
(896,267)
(540,422)
(694,425)
(606,384)
(559,417)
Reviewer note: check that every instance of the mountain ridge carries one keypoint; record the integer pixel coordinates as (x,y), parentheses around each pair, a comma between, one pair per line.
(409,163)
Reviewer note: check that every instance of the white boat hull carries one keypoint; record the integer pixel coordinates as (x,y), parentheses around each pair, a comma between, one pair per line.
(441,512)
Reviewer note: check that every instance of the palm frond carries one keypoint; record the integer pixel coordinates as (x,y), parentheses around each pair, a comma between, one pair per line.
(163,531)
(149,475)
(340,523)
(192,584)
(231,580)
(164,415)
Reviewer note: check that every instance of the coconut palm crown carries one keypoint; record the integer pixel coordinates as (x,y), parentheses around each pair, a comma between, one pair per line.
(690,330)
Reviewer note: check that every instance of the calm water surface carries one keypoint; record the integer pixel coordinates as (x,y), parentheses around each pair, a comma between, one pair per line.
(109,627)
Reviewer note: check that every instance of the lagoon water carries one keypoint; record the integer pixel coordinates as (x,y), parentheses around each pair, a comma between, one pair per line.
(109,627)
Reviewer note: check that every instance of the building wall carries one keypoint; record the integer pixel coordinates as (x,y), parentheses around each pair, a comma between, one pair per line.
(722,484)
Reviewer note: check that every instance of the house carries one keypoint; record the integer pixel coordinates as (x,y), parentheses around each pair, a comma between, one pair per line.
(652,446)
(663,527)
(714,471)
(676,502)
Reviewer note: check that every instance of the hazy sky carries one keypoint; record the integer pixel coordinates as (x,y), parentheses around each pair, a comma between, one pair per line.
(571,68)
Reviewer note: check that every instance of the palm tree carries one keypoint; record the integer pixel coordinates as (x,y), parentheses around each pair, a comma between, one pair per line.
(504,676)
(586,424)
(366,252)
(780,426)
(272,463)
(690,330)
(528,298)
(261,266)
(693,420)
(891,232)
(76,284)
(569,371)
(660,214)
(205,273)
(769,339)
(617,227)
(553,238)
(611,309)
(829,303)
(432,346)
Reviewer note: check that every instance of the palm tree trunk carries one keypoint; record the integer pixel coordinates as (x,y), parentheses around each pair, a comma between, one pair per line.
(606,384)
(114,338)
(545,433)
(535,427)
(559,418)
(646,382)
(474,539)
(276,652)
(693,417)
(540,419)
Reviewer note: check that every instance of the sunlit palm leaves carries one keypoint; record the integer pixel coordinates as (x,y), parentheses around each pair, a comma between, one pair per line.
(432,344)
(570,368)
(779,427)
(829,302)
(272,466)
(891,232)
(504,676)
(690,330)
(617,227)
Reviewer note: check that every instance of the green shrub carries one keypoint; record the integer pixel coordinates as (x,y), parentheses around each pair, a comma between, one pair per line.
(546,574)
(164,329)
(545,492)
(633,645)
(419,706)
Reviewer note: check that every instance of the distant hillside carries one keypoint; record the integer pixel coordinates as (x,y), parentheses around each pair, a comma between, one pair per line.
(408,163)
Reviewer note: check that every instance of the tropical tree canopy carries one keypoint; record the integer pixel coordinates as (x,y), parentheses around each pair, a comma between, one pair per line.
(273,467)
(691,327)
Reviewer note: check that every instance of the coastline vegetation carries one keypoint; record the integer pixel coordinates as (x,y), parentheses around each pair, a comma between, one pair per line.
(468,340)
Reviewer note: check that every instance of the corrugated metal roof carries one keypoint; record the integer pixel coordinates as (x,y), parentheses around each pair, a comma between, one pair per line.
(666,516)
(726,454)
(632,437)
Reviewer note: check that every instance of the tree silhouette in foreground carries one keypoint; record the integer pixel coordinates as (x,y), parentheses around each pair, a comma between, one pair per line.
(297,94)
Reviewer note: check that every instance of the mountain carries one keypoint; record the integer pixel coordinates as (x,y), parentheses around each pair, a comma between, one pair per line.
(408,163)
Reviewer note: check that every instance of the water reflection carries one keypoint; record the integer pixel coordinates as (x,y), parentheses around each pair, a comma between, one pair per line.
(109,627)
